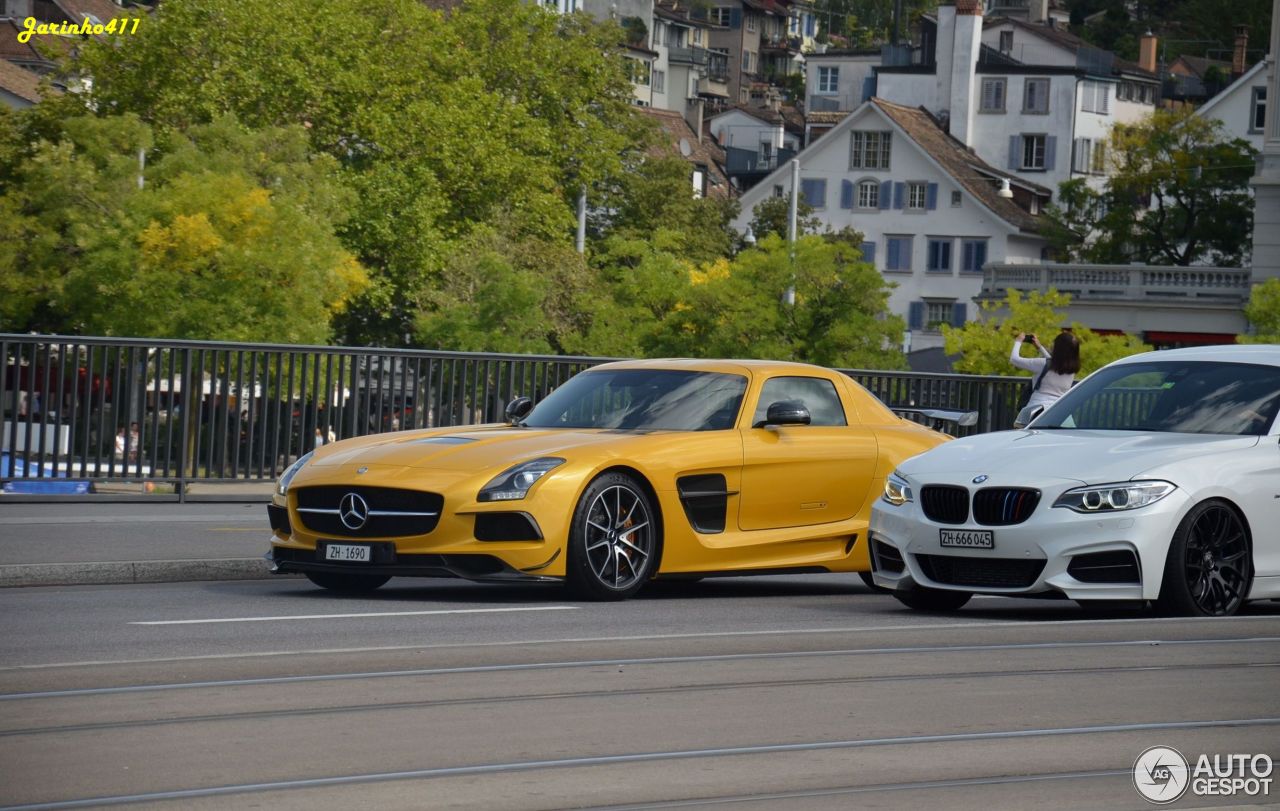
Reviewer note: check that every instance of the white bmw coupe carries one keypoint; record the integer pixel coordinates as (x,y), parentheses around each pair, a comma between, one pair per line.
(1156,478)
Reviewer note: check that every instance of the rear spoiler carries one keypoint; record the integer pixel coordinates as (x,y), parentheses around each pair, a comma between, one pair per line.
(937,416)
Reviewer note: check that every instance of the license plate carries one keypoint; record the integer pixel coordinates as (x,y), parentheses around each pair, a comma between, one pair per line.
(348,553)
(968,538)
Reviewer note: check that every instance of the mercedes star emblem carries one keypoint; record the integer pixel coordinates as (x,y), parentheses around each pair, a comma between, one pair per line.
(353,510)
(980,479)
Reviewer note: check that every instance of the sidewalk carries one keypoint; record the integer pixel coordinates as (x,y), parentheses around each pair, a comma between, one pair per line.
(110,543)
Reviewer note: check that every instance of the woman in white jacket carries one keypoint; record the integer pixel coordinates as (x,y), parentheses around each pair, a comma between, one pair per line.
(1054,371)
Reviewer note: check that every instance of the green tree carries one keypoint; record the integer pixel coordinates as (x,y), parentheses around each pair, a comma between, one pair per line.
(1263,312)
(772,216)
(1178,194)
(740,308)
(494,115)
(232,236)
(984,344)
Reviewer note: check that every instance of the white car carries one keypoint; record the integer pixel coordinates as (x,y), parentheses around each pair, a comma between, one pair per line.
(1155,478)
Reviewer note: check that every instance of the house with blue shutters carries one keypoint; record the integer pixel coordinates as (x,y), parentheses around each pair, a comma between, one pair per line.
(931,211)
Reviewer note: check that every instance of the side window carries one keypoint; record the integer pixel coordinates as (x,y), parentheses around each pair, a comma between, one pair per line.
(818,395)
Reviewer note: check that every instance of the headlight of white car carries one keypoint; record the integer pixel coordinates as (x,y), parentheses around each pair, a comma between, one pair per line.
(896,490)
(282,486)
(1100,498)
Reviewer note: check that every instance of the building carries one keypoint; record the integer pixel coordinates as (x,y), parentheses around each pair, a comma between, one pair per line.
(1266,183)
(706,159)
(687,77)
(1242,105)
(930,210)
(19,87)
(756,141)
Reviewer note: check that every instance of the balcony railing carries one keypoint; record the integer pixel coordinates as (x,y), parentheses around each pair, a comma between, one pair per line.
(1139,284)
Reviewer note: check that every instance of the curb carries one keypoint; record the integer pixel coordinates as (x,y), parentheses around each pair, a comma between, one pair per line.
(126,572)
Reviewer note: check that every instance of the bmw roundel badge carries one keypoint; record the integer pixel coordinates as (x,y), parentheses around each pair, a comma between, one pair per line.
(980,479)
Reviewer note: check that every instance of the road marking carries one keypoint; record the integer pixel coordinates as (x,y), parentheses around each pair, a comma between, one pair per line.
(638,638)
(353,616)
(638,757)
(650,660)
(237,529)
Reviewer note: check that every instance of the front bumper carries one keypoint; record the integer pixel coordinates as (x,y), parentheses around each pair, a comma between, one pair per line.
(1034,557)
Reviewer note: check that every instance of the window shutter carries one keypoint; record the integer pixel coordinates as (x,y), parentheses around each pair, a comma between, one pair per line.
(931,197)
(915,315)
(899,192)
(846,194)
(959,314)
(904,255)
(1050,147)
(1015,147)
(868,87)
(735,17)
(886,195)
(891,254)
(869,252)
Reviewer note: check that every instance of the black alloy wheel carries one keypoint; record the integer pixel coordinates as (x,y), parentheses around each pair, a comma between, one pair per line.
(347,583)
(927,599)
(1209,569)
(614,541)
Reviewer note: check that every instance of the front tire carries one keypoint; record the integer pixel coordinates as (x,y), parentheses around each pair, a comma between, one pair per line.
(1209,569)
(347,583)
(614,541)
(926,599)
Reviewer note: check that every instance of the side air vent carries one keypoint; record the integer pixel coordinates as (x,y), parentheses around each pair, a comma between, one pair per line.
(705,498)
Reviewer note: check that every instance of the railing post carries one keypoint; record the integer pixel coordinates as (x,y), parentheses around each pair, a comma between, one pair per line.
(185,431)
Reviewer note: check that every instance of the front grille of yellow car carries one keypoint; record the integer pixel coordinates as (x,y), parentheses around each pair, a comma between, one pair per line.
(387,512)
(944,503)
(1004,506)
(1001,573)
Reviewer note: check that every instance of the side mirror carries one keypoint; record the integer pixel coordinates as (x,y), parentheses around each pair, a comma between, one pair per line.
(518,409)
(785,412)
(1026,415)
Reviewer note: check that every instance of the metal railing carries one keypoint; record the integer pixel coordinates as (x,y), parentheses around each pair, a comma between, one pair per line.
(110,410)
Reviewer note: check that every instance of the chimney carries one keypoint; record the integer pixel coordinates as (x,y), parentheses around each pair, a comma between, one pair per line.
(1038,11)
(966,43)
(1147,52)
(1240,55)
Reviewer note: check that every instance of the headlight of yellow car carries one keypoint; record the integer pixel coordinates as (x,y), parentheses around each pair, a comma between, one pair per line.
(282,486)
(896,490)
(514,482)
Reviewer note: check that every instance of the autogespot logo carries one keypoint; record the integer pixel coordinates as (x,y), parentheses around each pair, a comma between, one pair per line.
(1161,775)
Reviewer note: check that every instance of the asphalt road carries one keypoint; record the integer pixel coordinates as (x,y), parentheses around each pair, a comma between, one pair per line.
(790,693)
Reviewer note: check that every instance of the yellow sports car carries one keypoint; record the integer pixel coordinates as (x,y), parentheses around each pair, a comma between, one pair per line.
(627,472)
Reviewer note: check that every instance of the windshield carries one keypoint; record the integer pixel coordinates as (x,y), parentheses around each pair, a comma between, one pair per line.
(1175,397)
(643,400)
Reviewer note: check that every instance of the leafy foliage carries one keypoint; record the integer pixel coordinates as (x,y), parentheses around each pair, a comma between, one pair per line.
(740,308)
(1263,312)
(772,215)
(984,344)
(232,236)
(1178,195)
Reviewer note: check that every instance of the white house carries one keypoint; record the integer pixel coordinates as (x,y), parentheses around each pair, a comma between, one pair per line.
(930,210)
(1031,98)
(1242,105)
(839,80)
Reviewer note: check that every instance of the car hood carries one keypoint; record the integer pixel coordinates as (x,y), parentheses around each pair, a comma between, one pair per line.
(1090,457)
(469,448)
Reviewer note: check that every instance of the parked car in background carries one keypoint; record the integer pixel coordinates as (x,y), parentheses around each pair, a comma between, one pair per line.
(1156,478)
(628,471)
